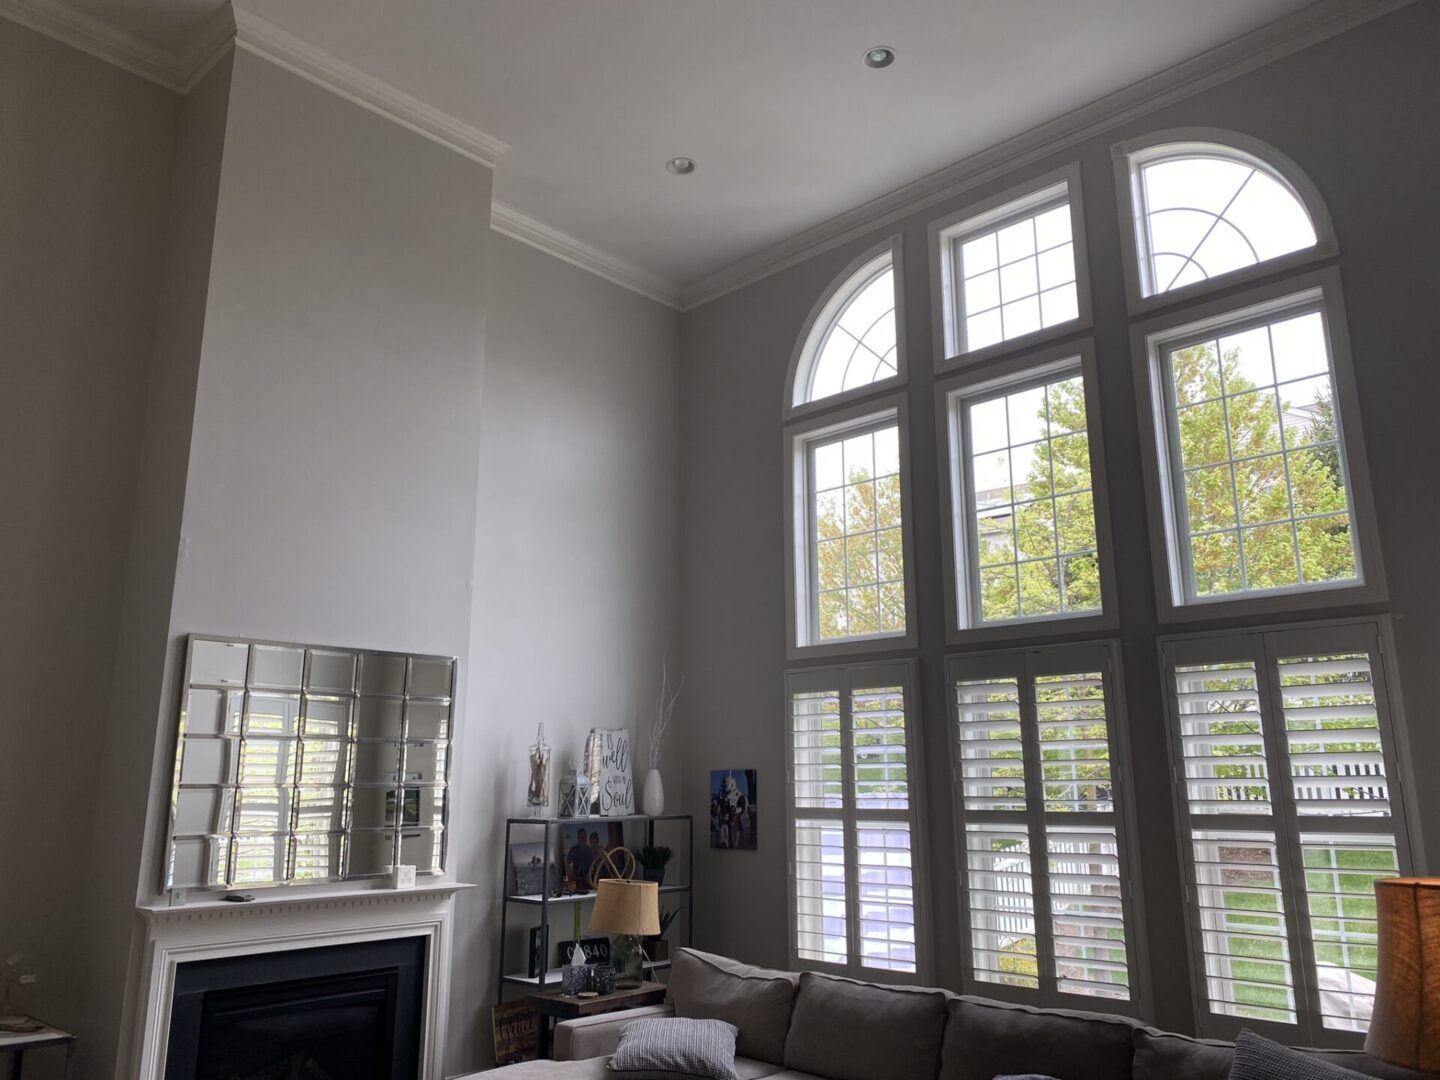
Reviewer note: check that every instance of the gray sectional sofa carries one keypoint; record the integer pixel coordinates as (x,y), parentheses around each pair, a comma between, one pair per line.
(817,1027)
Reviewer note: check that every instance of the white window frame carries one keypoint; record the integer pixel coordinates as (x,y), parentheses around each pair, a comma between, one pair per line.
(826,310)
(844,679)
(1317,290)
(1132,155)
(1018,202)
(1025,665)
(1264,646)
(961,581)
(801,640)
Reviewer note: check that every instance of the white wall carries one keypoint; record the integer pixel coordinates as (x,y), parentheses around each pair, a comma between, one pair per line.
(85,166)
(576,564)
(1358,113)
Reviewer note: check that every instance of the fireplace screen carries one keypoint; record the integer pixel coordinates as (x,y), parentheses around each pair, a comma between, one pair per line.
(305,763)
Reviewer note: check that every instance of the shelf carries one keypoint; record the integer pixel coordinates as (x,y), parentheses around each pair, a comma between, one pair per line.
(552,977)
(596,818)
(536,899)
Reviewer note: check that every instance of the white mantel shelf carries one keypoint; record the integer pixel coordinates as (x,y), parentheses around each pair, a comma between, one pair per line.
(272,901)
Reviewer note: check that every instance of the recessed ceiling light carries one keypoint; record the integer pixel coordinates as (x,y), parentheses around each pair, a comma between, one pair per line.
(880,56)
(681,166)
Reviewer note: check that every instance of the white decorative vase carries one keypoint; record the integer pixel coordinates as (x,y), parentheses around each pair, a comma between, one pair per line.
(653,799)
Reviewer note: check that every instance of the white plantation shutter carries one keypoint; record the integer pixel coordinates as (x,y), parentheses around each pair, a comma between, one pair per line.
(1285,742)
(1048,913)
(851,806)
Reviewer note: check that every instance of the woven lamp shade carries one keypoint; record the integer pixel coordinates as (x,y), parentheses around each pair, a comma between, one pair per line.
(1405,1028)
(626,907)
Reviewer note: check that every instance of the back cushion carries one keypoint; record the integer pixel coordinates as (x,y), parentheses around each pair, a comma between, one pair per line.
(756,1000)
(985,1038)
(1161,1055)
(847,1030)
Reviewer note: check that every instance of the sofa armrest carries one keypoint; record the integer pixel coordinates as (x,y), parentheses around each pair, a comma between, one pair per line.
(597,1036)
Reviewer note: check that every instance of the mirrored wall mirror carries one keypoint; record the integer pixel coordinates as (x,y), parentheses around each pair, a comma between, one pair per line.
(308,763)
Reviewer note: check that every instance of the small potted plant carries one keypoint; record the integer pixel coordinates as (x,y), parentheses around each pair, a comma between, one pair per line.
(653,861)
(657,948)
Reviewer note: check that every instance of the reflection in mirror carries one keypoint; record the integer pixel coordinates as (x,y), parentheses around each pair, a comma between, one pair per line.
(371,852)
(267,764)
(276,665)
(425,762)
(382,673)
(379,718)
(427,720)
(317,856)
(218,663)
(214,712)
(377,763)
(327,716)
(320,809)
(331,671)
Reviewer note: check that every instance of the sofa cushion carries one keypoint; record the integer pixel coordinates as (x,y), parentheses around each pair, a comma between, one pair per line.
(1162,1055)
(848,1030)
(1258,1058)
(674,1047)
(986,1038)
(756,1000)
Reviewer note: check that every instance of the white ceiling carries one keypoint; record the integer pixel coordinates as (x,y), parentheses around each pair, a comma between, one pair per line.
(769,96)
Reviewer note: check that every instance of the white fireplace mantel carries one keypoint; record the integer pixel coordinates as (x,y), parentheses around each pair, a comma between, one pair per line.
(282,919)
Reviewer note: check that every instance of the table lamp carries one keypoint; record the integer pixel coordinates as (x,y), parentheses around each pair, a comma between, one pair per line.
(630,910)
(1405,1025)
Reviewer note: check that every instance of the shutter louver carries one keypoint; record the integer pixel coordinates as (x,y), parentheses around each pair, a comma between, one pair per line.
(1034,753)
(850,801)
(1280,867)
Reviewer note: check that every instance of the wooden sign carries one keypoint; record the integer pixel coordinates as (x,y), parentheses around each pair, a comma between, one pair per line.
(607,758)
(516,1025)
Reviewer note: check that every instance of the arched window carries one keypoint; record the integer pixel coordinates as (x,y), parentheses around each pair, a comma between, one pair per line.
(851,338)
(1205,209)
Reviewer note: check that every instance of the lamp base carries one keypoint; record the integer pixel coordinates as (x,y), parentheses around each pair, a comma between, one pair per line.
(629,960)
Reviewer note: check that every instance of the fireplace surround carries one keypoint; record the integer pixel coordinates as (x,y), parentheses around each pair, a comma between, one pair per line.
(304,924)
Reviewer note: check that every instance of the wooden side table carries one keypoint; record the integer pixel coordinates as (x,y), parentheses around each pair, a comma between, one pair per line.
(555,1005)
(16,1044)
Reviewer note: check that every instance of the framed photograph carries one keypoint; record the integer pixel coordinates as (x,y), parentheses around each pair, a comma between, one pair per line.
(527,864)
(732,809)
(581,845)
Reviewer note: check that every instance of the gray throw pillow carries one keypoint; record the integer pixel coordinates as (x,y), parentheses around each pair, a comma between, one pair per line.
(675,1049)
(1258,1058)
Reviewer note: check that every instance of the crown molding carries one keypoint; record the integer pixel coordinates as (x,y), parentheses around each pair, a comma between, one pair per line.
(1240,56)
(280,47)
(512,223)
(90,34)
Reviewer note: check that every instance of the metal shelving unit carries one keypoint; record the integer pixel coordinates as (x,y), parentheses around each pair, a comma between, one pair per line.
(549,828)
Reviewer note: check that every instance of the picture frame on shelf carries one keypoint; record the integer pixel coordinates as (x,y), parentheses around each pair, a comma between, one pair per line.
(580,848)
(527,867)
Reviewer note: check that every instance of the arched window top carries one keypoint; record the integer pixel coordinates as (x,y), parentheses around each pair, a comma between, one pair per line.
(1208,204)
(851,340)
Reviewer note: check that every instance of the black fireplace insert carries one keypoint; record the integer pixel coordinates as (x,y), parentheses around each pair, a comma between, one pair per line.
(342,1012)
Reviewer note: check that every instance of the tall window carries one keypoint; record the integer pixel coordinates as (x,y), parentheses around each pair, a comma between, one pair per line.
(851,804)
(1289,813)
(851,340)
(1256,456)
(1011,268)
(1046,859)
(1023,513)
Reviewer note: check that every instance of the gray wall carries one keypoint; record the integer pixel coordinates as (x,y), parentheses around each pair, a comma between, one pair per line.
(1359,114)
(85,169)
(576,563)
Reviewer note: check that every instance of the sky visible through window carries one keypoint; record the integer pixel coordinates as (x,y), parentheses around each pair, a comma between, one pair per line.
(1018,279)
(1206,216)
(859,346)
